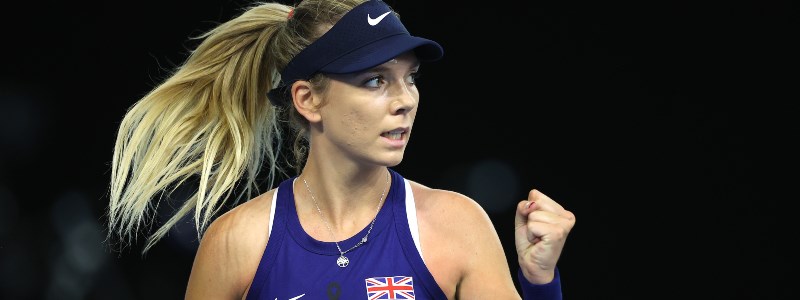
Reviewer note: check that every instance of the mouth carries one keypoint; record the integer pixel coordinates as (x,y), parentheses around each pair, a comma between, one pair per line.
(396,134)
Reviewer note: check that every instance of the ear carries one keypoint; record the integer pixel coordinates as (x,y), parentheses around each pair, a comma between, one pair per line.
(305,101)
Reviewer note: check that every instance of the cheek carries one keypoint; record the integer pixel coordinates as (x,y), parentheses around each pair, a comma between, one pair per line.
(413,113)
(354,123)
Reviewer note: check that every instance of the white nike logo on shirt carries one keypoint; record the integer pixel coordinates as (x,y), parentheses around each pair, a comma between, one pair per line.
(377,20)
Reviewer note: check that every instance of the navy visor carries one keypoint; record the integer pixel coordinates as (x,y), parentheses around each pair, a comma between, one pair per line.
(368,35)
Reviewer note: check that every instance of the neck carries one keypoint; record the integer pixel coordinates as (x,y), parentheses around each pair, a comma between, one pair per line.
(348,201)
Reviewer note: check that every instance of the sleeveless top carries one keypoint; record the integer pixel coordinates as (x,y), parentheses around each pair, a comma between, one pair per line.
(389,265)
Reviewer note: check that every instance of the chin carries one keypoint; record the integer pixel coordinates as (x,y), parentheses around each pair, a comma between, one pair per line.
(393,161)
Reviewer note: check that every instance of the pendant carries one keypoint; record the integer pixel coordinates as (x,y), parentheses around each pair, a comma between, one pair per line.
(342,261)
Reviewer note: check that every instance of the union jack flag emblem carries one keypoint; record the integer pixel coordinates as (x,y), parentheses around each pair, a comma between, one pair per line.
(395,287)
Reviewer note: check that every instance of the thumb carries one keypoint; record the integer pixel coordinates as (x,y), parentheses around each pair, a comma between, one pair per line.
(524,208)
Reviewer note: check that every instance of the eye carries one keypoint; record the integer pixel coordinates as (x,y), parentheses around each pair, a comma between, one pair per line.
(374,82)
(412,78)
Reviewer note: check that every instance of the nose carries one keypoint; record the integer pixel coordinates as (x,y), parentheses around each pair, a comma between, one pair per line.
(406,98)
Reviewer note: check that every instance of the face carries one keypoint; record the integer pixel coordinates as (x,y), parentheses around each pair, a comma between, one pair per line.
(368,115)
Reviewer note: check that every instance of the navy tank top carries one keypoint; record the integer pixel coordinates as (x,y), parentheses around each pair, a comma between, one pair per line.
(296,266)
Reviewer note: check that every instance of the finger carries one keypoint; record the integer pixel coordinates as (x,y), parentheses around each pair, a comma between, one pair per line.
(543,202)
(521,217)
(545,232)
(546,217)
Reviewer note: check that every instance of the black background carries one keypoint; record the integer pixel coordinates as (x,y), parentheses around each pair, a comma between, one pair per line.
(666,127)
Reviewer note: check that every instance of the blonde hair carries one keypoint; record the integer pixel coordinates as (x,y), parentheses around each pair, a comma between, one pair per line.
(211,122)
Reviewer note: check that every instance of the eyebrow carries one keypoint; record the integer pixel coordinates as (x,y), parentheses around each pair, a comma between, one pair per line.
(380,68)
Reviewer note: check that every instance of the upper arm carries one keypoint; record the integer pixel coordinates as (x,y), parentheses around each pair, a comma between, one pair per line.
(472,252)
(229,252)
(213,274)
(486,273)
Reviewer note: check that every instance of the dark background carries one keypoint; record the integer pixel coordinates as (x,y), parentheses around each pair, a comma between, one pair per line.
(667,128)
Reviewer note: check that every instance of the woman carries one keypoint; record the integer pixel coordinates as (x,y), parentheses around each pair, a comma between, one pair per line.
(347,226)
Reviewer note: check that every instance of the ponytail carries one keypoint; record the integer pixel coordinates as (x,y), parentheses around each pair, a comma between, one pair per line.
(210,122)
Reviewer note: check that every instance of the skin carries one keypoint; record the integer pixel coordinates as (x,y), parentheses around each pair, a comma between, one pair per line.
(349,156)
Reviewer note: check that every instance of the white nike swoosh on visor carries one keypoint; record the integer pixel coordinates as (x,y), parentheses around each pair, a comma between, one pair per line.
(375,21)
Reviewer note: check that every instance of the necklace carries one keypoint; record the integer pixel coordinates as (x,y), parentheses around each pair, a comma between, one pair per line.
(343,261)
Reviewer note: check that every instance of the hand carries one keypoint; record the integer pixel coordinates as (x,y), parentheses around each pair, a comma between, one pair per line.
(540,231)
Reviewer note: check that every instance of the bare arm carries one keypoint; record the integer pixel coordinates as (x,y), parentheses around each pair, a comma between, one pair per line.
(463,246)
(486,272)
(230,251)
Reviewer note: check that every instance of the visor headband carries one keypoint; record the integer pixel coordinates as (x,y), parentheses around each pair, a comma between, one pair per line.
(358,34)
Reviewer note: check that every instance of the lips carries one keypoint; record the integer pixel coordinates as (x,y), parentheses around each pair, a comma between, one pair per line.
(396,134)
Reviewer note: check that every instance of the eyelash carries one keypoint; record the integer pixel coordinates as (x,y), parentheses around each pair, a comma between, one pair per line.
(414,76)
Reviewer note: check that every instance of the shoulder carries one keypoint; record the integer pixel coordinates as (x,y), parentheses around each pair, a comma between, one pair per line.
(458,239)
(231,249)
(244,223)
(452,216)
(447,206)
